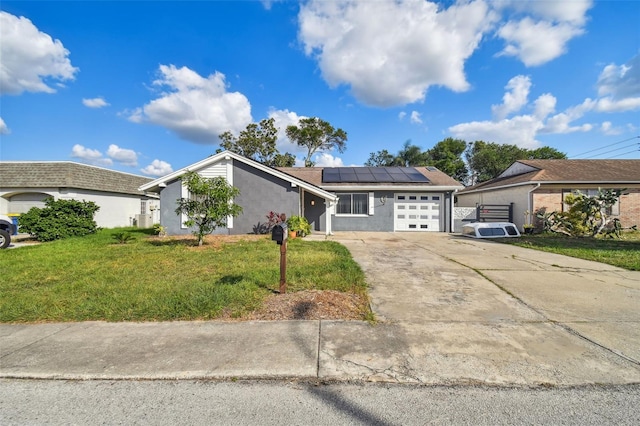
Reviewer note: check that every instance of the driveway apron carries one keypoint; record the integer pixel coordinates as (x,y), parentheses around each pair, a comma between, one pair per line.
(458,310)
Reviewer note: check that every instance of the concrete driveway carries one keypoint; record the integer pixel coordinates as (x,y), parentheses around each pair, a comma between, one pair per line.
(456,310)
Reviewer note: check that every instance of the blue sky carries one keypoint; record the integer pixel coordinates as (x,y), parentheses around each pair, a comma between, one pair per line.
(146,87)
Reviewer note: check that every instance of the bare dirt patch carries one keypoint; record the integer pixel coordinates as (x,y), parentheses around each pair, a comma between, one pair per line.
(312,305)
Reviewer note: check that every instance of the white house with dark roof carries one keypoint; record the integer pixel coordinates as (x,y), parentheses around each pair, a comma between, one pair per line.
(533,185)
(332,199)
(26,184)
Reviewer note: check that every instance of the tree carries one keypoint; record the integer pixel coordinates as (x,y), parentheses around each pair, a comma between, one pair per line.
(446,155)
(546,153)
(587,216)
(209,205)
(258,142)
(410,156)
(486,160)
(380,159)
(283,160)
(316,134)
(60,219)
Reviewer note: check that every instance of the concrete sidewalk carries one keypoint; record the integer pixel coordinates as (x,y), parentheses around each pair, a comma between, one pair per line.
(452,310)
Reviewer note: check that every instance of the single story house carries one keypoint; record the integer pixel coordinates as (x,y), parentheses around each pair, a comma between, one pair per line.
(532,185)
(26,184)
(330,198)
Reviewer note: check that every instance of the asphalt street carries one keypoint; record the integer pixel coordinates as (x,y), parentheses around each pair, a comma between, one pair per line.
(40,402)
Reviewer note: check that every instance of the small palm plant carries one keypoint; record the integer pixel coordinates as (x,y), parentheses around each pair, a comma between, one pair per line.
(123,237)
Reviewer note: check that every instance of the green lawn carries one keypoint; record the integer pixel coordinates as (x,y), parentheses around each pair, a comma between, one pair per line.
(623,252)
(154,279)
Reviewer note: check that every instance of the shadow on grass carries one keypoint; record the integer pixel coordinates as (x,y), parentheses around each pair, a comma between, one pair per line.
(237,279)
(173,242)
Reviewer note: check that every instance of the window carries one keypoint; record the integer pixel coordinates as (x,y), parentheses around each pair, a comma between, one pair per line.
(354,204)
(611,211)
(143,207)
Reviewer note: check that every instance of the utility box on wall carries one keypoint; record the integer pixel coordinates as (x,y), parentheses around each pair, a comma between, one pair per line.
(144,220)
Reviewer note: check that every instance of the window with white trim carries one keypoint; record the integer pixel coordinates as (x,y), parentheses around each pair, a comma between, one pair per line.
(353,204)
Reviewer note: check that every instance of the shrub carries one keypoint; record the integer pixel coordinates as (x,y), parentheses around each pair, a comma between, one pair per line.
(60,219)
(299,224)
(123,237)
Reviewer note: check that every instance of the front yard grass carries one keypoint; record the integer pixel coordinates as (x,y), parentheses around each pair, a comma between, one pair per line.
(160,279)
(623,252)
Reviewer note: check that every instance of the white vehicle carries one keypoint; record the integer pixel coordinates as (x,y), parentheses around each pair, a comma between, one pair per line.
(490,230)
(7,228)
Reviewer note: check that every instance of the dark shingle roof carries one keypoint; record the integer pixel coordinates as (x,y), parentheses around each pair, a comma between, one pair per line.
(573,171)
(313,175)
(67,174)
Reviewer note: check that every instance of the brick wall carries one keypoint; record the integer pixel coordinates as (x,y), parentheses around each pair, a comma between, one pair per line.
(630,208)
(549,199)
(629,204)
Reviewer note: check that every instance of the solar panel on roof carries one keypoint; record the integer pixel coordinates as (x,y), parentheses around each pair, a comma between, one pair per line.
(372,175)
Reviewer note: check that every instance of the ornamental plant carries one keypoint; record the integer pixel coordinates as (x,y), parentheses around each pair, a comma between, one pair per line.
(60,219)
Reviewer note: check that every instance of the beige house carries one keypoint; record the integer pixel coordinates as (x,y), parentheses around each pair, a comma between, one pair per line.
(26,184)
(542,184)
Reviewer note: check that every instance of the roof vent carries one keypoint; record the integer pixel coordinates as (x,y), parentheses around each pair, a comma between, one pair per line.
(432,169)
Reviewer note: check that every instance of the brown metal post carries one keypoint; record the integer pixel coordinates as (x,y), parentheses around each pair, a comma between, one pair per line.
(283,267)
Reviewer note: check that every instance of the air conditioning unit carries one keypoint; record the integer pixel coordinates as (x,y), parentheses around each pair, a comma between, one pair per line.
(144,220)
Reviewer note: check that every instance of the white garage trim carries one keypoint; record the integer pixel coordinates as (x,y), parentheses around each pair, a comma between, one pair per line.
(417,211)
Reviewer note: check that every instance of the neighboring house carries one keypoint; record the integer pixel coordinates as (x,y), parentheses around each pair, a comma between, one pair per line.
(532,185)
(26,184)
(332,199)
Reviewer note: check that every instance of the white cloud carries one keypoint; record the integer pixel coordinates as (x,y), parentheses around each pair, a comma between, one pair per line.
(327,160)
(515,98)
(416,117)
(126,157)
(91,156)
(619,87)
(573,11)
(30,57)
(157,168)
(620,81)
(608,129)
(536,43)
(401,115)
(4,129)
(520,131)
(284,118)
(95,103)
(391,52)
(196,108)
(543,34)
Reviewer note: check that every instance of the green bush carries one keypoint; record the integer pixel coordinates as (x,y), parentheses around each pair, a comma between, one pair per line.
(299,224)
(60,219)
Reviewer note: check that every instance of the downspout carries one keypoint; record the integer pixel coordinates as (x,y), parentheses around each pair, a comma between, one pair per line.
(530,202)
(452,219)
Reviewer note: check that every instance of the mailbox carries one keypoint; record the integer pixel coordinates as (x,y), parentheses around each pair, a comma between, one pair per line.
(279,233)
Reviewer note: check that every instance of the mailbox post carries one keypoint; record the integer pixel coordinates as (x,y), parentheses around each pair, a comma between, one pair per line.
(279,234)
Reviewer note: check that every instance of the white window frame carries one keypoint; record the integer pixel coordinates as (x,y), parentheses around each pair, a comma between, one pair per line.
(368,209)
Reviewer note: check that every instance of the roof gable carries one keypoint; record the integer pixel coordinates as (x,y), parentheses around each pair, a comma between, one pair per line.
(596,172)
(68,174)
(203,164)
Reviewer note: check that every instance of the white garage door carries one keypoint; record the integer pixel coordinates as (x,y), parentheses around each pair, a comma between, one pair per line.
(417,212)
(21,203)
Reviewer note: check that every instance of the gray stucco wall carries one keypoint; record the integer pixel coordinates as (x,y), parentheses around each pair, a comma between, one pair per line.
(168,217)
(382,219)
(260,193)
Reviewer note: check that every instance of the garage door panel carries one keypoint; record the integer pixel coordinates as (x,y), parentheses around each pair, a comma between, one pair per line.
(417,212)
